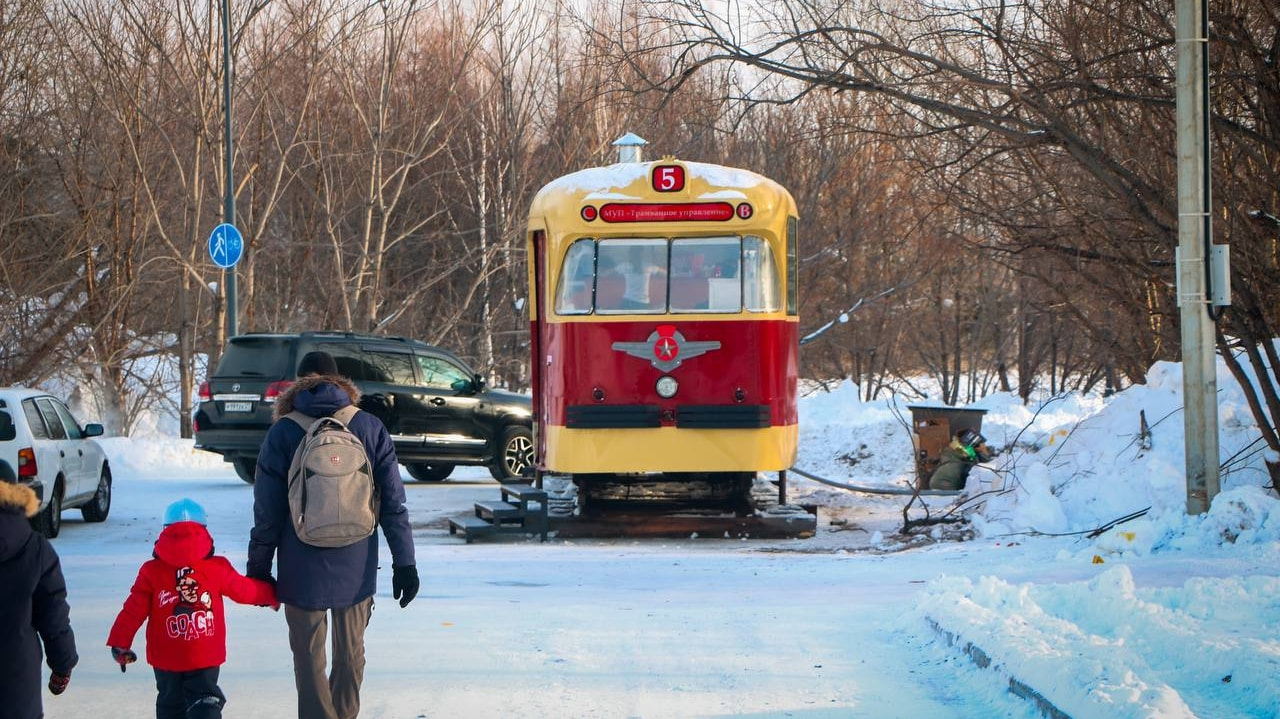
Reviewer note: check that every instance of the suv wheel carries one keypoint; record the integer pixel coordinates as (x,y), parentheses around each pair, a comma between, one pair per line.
(429,472)
(100,506)
(49,522)
(515,461)
(245,467)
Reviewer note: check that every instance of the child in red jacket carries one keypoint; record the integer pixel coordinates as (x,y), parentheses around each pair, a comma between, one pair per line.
(179,595)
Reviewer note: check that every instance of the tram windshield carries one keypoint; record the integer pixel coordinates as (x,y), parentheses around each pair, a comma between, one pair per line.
(659,276)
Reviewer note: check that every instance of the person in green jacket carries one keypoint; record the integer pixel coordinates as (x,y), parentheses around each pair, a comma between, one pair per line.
(967,449)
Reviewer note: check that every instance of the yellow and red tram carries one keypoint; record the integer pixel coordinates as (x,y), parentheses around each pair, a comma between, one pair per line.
(664,329)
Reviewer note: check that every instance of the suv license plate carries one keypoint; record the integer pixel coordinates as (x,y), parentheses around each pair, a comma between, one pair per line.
(237,407)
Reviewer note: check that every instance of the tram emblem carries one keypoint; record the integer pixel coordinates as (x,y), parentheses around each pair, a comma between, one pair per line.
(666,348)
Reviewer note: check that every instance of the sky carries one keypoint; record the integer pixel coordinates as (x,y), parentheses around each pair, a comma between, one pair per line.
(1162,615)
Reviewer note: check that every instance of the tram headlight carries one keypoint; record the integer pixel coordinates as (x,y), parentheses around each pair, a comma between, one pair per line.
(667,386)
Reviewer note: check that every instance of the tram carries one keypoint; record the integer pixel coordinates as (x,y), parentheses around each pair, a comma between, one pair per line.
(664,329)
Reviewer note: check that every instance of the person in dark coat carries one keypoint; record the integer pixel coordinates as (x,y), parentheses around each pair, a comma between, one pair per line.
(327,585)
(33,606)
(957,459)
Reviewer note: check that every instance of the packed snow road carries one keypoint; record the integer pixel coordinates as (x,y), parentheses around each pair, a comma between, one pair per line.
(837,625)
(516,628)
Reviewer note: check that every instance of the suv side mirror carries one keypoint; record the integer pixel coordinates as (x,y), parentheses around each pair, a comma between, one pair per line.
(93,430)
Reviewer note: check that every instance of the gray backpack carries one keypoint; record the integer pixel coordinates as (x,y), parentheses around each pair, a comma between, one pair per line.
(332,496)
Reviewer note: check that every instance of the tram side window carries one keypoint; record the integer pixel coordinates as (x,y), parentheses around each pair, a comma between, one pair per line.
(574,288)
(763,292)
(793,300)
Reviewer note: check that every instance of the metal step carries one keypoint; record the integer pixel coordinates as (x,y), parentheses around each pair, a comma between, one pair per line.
(472,527)
(524,493)
(500,511)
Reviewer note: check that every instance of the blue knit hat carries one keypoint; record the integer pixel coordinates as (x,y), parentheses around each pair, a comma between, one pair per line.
(184,510)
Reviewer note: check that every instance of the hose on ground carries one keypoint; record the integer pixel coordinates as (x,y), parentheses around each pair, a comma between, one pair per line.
(877,490)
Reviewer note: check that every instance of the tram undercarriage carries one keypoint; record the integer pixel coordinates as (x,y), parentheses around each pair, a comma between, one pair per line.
(729,504)
(727,491)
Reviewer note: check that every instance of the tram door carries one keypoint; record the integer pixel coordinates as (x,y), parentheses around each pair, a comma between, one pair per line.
(537,341)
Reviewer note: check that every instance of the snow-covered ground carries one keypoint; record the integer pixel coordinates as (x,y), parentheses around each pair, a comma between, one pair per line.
(1163,615)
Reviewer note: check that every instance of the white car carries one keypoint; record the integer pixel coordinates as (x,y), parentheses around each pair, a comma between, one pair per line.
(51,453)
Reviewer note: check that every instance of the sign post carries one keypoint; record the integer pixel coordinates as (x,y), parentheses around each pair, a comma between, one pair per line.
(229,200)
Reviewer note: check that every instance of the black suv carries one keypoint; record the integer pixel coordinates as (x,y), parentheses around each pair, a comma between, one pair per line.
(437,409)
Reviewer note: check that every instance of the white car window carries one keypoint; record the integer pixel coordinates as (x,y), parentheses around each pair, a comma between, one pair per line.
(7,429)
(68,422)
(34,420)
(51,419)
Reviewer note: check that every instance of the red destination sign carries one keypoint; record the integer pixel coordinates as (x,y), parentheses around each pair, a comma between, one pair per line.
(667,212)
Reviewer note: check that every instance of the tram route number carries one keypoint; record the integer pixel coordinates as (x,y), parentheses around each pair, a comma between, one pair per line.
(668,178)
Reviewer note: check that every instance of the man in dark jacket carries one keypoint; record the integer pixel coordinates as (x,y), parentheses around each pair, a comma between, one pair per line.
(957,459)
(33,606)
(320,585)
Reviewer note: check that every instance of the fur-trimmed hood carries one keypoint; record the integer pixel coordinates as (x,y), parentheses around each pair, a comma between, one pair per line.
(18,497)
(17,502)
(289,400)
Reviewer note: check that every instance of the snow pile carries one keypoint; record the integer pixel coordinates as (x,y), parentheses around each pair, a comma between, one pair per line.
(1069,465)
(1108,648)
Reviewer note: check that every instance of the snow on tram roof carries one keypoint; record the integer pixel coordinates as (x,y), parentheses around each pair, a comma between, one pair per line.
(606,182)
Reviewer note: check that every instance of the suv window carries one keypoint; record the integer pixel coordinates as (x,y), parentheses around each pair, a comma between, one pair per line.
(390,367)
(347,356)
(257,357)
(437,372)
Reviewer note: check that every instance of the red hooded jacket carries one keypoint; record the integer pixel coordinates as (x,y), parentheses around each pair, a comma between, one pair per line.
(179,594)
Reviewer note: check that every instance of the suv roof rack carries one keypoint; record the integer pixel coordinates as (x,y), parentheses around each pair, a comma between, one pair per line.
(360,336)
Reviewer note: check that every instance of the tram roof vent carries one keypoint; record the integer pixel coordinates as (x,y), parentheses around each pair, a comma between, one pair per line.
(629,147)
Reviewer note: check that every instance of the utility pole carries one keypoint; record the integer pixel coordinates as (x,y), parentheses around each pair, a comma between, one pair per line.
(1197,300)
(229,198)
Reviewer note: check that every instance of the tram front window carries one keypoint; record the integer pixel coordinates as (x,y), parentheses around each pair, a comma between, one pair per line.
(632,276)
(654,276)
(573,294)
(706,274)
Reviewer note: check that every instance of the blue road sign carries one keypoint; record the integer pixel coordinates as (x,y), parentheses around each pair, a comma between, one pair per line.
(225,245)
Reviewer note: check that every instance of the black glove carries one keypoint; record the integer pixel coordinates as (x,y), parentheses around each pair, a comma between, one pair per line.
(123,657)
(264,576)
(58,683)
(404,584)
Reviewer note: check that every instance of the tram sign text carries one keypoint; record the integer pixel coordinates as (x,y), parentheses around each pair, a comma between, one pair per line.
(667,212)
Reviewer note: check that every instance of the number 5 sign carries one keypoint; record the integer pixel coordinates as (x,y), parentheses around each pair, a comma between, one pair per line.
(668,178)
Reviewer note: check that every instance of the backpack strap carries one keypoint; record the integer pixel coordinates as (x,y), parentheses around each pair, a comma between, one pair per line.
(306,421)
